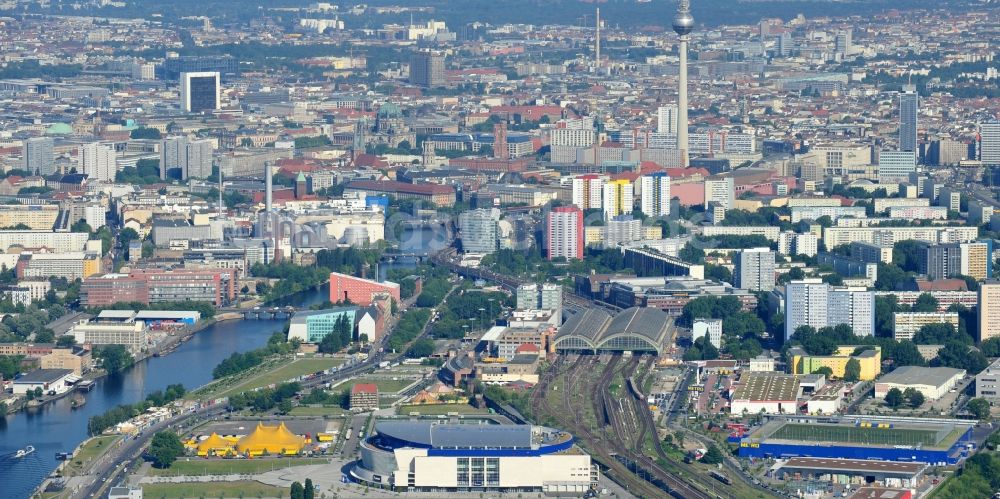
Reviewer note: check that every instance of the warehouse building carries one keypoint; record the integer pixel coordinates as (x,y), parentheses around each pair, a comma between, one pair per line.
(852,471)
(438,457)
(767,393)
(933,382)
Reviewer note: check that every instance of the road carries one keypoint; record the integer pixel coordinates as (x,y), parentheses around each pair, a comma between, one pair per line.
(107,472)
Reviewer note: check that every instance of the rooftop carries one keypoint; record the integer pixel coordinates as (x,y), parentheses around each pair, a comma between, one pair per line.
(857,465)
(915,375)
(44,376)
(766,387)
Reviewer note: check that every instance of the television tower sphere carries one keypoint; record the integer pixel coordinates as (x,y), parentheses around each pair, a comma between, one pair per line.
(683,21)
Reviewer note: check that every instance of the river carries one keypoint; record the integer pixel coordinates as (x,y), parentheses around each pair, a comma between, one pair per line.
(58,428)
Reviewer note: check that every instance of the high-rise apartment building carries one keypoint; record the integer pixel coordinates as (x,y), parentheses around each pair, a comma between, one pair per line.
(666,120)
(721,191)
(755,269)
(971,259)
(480,231)
(200,92)
(842,43)
(181,158)
(538,297)
(989,309)
(588,191)
(97,161)
(564,233)
(618,198)
(854,307)
(427,69)
(654,193)
(805,305)
(989,143)
(908,107)
(811,302)
(39,155)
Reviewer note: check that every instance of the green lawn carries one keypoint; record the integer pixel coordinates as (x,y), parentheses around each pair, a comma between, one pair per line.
(439,409)
(211,489)
(90,450)
(281,373)
(385,385)
(318,411)
(199,466)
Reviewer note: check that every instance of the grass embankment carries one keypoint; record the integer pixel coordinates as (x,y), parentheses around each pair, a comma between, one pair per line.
(199,467)
(273,371)
(211,489)
(90,450)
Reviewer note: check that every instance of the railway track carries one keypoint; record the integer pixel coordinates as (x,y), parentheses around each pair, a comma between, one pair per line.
(632,424)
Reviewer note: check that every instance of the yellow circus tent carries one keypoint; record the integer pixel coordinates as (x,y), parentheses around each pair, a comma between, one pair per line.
(270,440)
(216,445)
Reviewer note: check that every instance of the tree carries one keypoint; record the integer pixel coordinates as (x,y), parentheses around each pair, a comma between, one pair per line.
(905,353)
(165,448)
(825,371)
(713,455)
(297,491)
(65,341)
(894,398)
(914,397)
(991,347)
(114,358)
(145,133)
(852,370)
(889,277)
(285,406)
(310,489)
(980,408)
(926,303)
(126,236)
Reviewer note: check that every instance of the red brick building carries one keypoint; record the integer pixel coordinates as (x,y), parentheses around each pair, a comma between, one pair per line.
(359,291)
(217,286)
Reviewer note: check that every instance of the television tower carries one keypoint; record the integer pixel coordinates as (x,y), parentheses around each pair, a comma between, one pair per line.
(683,25)
(597,39)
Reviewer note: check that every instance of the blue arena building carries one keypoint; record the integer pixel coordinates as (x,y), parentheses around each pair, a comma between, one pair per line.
(431,456)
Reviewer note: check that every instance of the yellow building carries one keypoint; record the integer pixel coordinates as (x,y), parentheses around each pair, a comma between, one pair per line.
(870,361)
(35,217)
(271,440)
(91,265)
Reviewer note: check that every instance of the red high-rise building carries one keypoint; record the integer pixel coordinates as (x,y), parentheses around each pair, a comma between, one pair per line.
(500,149)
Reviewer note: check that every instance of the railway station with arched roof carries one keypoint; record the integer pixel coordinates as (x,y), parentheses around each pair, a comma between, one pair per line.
(631,330)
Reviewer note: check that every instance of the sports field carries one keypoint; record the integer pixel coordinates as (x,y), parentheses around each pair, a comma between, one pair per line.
(856,435)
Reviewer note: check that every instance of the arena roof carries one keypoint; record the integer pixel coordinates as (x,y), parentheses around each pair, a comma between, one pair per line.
(631,329)
(435,435)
